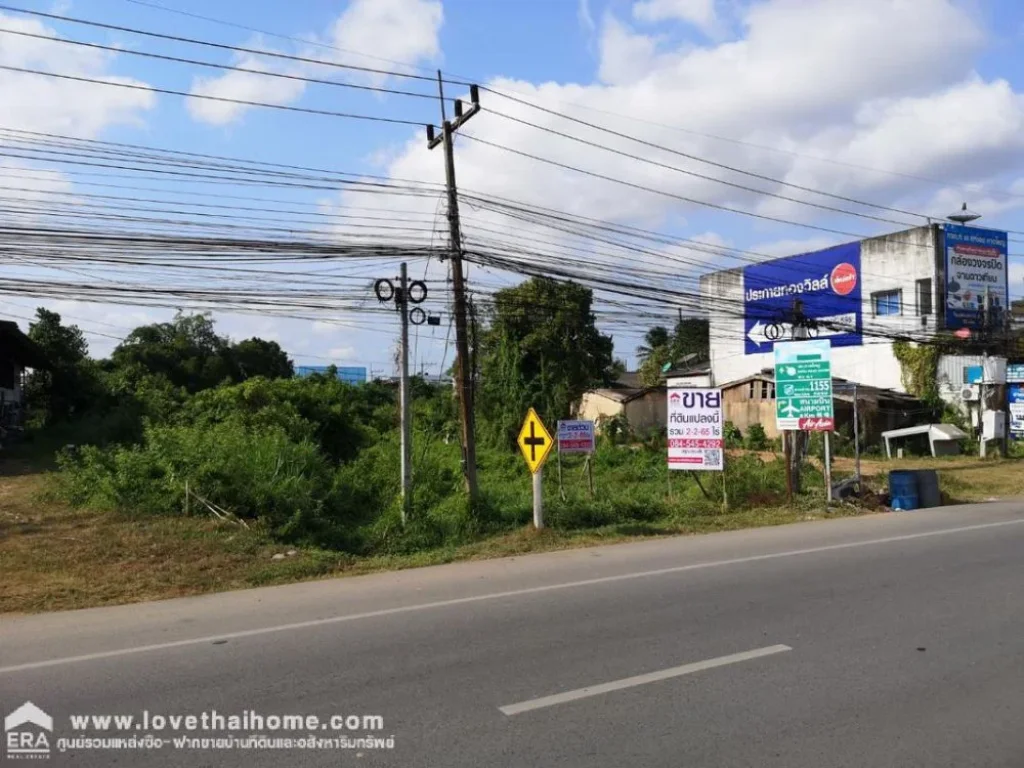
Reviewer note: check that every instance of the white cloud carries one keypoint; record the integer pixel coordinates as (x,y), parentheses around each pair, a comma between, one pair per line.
(395,31)
(700,13)
(384,34)
(626,57)
(37,102)
(241,86)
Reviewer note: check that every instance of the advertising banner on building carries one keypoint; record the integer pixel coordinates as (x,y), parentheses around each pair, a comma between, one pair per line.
(976,261)
(828,285)
(1016,394)
(696,438)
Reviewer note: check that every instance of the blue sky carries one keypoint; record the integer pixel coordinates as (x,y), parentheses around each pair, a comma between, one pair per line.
(877,100)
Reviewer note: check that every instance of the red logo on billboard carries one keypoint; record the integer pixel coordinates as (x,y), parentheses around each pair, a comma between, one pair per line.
(817,424)
(844,278)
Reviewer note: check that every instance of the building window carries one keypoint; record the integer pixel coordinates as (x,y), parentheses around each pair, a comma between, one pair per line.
(764,390)
(886,303)
(924,296)
(750,391)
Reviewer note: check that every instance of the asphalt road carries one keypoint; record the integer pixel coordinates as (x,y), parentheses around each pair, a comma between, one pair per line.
(891,640)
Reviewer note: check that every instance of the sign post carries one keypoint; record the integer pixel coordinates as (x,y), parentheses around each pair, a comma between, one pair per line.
(535,443)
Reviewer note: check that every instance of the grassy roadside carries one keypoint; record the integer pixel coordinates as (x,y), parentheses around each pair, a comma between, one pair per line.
(54,557)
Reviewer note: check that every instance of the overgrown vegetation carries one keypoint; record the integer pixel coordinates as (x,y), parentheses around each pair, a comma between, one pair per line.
(919,369)
(181,422)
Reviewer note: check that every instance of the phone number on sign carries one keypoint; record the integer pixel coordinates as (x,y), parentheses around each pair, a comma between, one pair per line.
(694,443)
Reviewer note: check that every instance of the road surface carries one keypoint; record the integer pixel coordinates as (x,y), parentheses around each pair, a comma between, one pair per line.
(890,640)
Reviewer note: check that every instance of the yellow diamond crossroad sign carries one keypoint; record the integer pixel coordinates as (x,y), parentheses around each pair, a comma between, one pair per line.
(534,441)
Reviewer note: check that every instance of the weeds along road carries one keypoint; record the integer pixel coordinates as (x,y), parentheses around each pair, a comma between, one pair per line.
(890,640)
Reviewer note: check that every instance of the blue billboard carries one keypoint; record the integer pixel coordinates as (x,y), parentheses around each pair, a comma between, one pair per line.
(1015,394)
(828,285)
(976,263)
(348,374)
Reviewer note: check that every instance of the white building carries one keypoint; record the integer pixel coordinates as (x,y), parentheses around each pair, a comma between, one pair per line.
(867,292)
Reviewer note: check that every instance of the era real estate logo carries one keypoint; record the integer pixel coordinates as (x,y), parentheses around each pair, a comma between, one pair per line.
(843,278)
(27,733)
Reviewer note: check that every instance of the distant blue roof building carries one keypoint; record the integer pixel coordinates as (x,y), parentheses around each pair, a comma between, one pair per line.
(348,374)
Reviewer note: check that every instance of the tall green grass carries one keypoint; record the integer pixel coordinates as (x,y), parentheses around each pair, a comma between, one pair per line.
(317,462)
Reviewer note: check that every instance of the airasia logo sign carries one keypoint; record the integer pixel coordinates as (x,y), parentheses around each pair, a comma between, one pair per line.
(843,278)
(820,424)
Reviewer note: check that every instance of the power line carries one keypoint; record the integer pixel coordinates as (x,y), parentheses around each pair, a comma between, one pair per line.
(210,44)
(698,159)
(224,99)
(664,193)
(135,148)
(633,118)
(276,35)
(505,94)
(212,65)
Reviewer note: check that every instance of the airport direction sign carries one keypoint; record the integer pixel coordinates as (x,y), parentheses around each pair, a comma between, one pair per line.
(803,385)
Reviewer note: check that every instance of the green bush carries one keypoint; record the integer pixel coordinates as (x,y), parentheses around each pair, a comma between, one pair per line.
(733,436)
(756,440)
(255,474)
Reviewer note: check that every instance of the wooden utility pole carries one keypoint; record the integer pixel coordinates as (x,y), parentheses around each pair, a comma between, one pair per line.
(463,383)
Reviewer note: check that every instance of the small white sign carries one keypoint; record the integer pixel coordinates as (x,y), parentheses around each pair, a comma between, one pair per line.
(575,436)
(696,435)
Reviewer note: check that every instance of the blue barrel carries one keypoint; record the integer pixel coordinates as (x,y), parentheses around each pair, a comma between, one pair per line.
(928,493)
(903,490)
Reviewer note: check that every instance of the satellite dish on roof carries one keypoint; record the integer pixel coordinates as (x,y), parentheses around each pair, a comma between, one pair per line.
(963,216)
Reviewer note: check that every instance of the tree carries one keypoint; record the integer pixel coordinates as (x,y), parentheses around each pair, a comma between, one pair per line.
(71,384)
(652,367)
(256,357)
(691,336)
(656,338)
(186,350)
(540,348)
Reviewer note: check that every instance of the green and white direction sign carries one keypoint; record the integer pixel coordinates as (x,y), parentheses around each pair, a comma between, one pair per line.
(803,385)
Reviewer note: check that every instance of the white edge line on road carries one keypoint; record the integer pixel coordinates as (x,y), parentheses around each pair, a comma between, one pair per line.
(493,596)
(632,682)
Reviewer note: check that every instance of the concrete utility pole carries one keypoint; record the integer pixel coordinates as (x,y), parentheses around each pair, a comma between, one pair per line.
(403,389)
(798,332)
(463,382)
